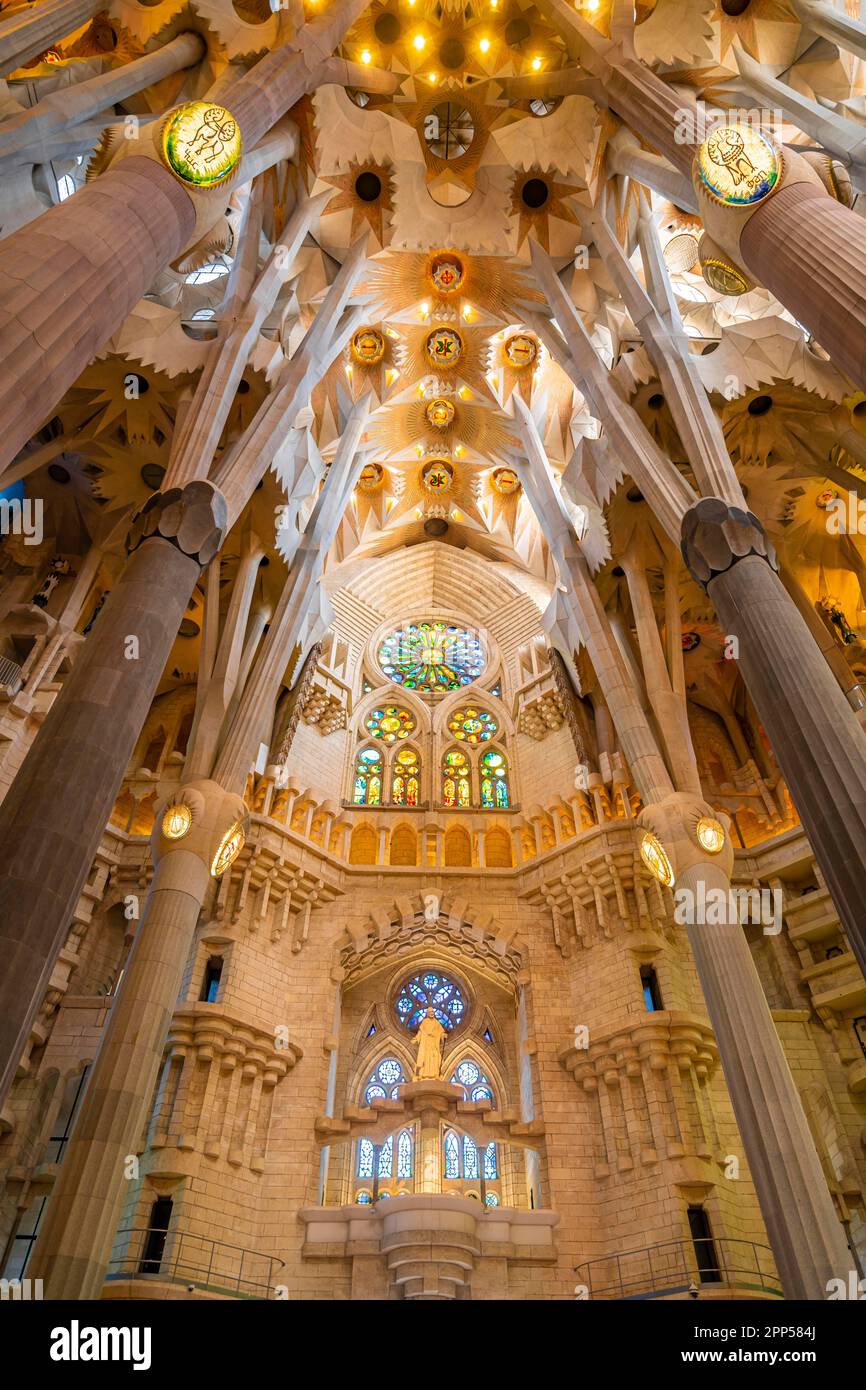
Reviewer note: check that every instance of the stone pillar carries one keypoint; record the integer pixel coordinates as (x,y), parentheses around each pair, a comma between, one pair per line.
(807,1238)
(68,280)
(76,1237)
(27,33)
(816,737)
(56,810)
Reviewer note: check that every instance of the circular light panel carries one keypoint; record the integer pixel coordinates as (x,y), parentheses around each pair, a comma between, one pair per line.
(738,165)
(201,144)
(176,821)
(654,856)
(711,835)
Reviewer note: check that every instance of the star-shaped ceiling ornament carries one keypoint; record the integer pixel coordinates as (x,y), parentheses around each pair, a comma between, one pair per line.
(538,203)
(365,191)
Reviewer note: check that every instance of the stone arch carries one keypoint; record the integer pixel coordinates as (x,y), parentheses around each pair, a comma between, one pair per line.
(404,845)
(458,848)
(497,848)
(363,844)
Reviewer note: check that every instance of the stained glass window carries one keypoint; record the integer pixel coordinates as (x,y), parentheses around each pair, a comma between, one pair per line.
(364,1199)
(367,786)
(475,1084)
(389,723)
(452,1155)
(406,778)
(384,1082)
(490,1169)
(456,785)
(404,1155)
(386,1157)
(430,990)
(494,779)
(491,1200)
(472,725)
(365,1158)
(432,657)
(470,1158)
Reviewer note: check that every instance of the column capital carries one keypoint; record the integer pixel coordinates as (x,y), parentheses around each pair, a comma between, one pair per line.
(194,519)
(716,536)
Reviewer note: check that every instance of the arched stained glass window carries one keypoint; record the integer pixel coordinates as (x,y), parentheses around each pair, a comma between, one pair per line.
(490,1170)
(494,779)
(475,1084)
(406,778)
(456,784)
(365,1158)
(430,990)
(404,1154)
(367,786)
(452,1155)
(389,723)
(470,1158)
(384,1082)
(432,657)
(472,725)
(386,1157)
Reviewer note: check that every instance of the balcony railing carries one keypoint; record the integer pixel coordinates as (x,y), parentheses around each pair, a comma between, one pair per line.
(676,1266)
(176,1257)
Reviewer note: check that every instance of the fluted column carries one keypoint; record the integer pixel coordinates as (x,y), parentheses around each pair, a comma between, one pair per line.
(76,1237)
(816,737)
(55,812)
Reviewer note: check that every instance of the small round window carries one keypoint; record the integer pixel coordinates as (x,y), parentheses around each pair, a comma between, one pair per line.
(430,990)
(448,130)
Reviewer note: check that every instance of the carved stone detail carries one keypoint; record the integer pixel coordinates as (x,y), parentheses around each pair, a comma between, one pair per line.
(715,536)
(194,519)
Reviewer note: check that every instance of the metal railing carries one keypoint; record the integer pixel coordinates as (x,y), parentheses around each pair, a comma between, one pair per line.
(674,1266)
(177,1257)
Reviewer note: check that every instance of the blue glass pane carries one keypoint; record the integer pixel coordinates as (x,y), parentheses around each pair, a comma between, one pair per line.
(490,1170)
(365,1159)
(452,1155)
(470,1158)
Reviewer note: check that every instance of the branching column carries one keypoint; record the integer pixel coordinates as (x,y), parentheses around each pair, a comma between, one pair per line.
(815,735)
(55,812)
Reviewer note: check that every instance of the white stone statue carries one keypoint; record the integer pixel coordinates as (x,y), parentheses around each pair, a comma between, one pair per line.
(428,1040)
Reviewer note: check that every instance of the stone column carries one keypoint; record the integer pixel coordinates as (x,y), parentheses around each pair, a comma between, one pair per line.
(807,1238)
(816,737)
(55,813)
(33,28)
(68,280)
(76,1237)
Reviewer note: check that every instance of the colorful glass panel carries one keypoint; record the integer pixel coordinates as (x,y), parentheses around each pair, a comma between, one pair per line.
(430,990)
(473,725)
(432,657)
(389,723)
(456,789)
(494,780)
(367,785)
(444,347)
(406,780)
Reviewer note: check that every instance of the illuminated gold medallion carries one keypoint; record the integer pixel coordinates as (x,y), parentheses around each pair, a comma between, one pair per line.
(654,856)
(444,347)
(176,821)
(446,272)
(738,165)
(521,350)
(368,347)
(505,480)
(437,475)
(230,847)
(440,413)
(711,835)
(723,277)
(824,499)
(201,144)
(371,477)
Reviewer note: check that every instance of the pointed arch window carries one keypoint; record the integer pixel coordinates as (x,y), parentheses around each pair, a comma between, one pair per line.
(385,1080)
(367,785)
(493,768)
(452,1155)
(404,1154)
(456,779)
(463,1160)
(406,777)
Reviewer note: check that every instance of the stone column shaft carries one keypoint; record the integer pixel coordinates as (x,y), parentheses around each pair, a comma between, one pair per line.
(808,1242)
(55,812)
(24,35)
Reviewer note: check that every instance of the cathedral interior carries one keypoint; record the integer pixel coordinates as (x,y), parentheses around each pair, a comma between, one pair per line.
(433,649)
